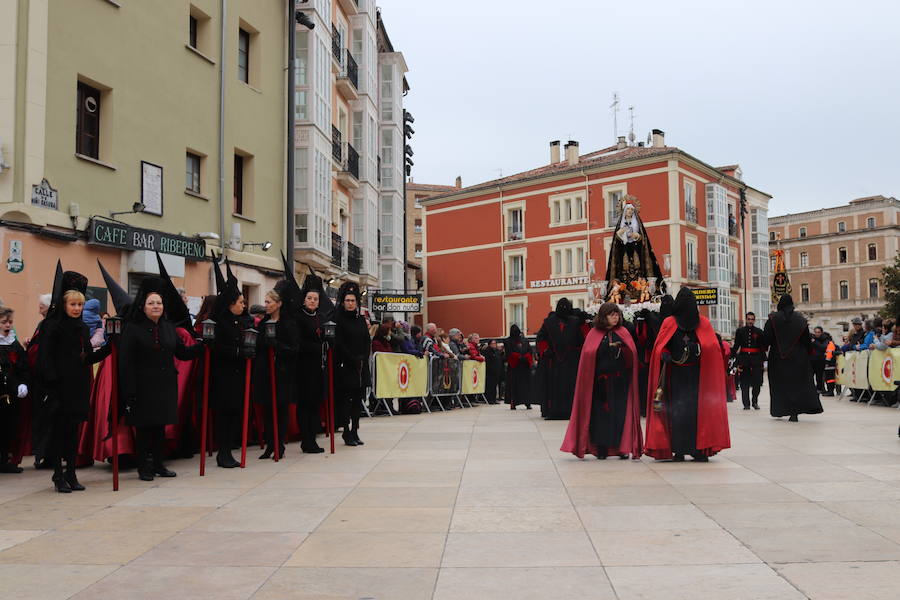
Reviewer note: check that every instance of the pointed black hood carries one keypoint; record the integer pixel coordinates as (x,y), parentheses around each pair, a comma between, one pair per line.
(564,308)
(220,281)
(176,310)
(685,310)
(64,281)
(120,298)
(227,290)
(786,304)
(288,290)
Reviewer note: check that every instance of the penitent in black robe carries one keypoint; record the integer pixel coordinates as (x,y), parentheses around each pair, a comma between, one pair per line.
(559,340)
(610,400)
(792,390)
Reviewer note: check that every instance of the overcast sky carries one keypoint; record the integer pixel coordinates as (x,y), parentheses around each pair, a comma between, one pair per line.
(804,95)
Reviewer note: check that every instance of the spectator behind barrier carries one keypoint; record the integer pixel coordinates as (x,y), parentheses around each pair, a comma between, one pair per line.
(443,344)
(458,346)
(474,354)
(381,342)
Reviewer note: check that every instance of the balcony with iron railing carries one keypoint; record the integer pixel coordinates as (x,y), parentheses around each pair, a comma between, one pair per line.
(348,169)
(337,250)
(336,46)
(336,150)
(348,78)
(516,283)
(354,258)
(693,271)
(514,234)
(690,213)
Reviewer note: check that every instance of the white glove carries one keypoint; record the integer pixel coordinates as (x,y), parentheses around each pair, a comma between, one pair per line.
(23,390)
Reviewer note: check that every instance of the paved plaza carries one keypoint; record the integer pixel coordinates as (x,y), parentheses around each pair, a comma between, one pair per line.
(479,504)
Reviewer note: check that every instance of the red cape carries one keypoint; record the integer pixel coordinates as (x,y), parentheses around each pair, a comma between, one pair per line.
(712,411)
(578,439)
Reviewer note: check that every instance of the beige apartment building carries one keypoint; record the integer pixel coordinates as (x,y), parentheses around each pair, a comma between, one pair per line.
(349,145)
(172,114)
(415,193)
(834,258)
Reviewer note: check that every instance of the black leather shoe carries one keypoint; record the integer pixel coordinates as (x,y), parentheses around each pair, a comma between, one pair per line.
(227,461)
(746,408)
(145,474)
(601,457)
(359,442)
(161,471)
(756,407)
(316,450)
(700,458)
(267,454)
(349,440)
(10,468)
(678,458)
(793,419)
(72,480)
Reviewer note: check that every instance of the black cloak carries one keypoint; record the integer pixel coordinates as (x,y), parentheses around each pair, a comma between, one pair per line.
(559,341)
(792,390)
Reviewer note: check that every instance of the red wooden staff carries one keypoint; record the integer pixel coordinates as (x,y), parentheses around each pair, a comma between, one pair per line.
(274,403)
(249,342)
(113,329)
(330,330)
(208,332)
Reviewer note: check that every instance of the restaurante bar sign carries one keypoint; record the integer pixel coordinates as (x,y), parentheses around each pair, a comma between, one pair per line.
(122,236)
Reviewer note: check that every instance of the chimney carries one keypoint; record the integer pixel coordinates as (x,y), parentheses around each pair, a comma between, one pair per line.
(458,181)
(659,138)
(621,143)
(572,153)
(554,152)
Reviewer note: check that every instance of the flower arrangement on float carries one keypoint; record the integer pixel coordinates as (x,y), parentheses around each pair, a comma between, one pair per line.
(629,311)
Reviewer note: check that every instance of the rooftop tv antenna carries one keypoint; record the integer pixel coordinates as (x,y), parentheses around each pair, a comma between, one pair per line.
(615,111)
(631,136)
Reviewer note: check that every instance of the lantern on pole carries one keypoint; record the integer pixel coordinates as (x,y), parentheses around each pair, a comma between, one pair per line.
(329,332)
(208,333)
(271,332)
(113,329)
(248,341)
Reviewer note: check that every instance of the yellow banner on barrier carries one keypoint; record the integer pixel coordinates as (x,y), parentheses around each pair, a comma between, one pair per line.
(881,369)
(400,375)
(841,376)
(473,377)
(859,370)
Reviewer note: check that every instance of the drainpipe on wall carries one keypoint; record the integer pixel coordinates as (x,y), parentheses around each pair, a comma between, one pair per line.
(291,83)
(587,228)
(503,272)
(222,37)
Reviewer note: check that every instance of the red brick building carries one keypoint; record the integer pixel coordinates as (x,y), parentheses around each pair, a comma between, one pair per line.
(505,251)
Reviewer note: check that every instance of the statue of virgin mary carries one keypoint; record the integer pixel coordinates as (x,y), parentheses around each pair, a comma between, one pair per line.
(630,256)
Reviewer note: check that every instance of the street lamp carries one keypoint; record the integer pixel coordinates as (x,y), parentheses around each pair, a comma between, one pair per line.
(265,246)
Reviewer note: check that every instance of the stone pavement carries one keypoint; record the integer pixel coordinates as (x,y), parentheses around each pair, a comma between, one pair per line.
(480,504)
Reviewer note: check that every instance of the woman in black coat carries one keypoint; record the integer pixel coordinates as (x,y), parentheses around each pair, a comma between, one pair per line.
(228,374)
(65,355)
(285,346)
(493,357)
(310,370)
(352,347)
(148,379)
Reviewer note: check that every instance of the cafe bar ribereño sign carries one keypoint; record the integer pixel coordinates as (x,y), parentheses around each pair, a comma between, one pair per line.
(126,237)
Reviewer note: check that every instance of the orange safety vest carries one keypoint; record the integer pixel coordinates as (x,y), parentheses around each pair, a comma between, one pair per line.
(829,350)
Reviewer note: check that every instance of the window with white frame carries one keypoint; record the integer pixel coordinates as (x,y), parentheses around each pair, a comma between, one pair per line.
(760,268)
(842,226)
(844,290)
(872,252)
(759,224)
(387,92)
(842,255)
(717,249)
(716,207)
(870,223)
(804,292)
(690,201)
(515,270)
(566,209)
(301,75)
(690,257)
(387,225)
(387,157)
(568,260)
(612,199)
(804,259)
(515,221)
(873,288)
(803,232)
(515,315)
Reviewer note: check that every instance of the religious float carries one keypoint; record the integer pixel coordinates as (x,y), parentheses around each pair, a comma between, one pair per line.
(633,277)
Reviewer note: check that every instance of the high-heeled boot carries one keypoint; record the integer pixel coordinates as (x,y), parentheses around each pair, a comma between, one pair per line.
(59,481)
(72,479)
(355,431)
